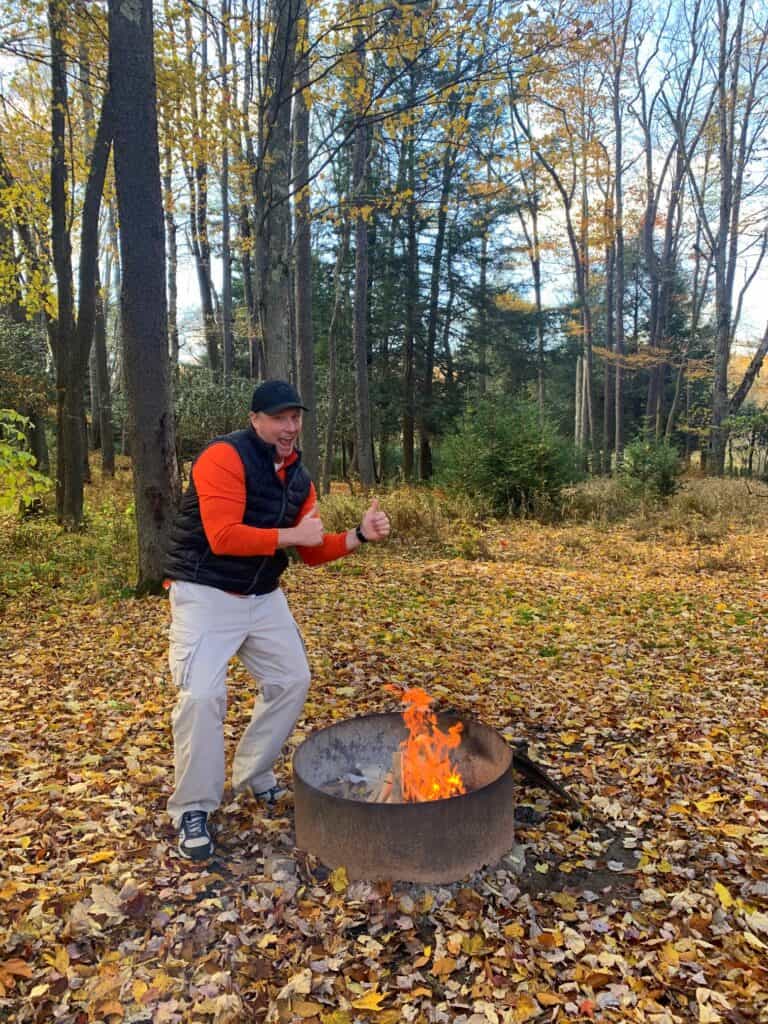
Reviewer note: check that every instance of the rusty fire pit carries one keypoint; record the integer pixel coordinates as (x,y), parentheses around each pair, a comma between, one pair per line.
(432,841)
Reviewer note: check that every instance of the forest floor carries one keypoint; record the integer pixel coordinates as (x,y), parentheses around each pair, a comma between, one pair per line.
(635,668)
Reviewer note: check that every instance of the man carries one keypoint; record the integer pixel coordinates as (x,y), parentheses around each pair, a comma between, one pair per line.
(249,498)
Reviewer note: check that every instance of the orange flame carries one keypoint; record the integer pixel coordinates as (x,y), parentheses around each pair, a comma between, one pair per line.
(427,772)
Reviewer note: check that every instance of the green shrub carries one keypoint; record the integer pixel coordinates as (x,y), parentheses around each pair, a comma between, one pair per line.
(601,499)
(650,468)
(205,409)
(504,457)
(20,483)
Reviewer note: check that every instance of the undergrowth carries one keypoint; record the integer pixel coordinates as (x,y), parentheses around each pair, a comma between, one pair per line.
(703,509)
(99,561)
(94,562)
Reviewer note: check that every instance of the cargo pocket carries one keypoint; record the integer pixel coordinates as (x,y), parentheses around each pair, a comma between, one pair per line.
(180,655)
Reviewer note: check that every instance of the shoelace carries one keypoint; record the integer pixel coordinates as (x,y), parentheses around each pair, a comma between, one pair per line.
(194,824)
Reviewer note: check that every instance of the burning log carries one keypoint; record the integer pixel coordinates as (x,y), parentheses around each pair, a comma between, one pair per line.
(391,789)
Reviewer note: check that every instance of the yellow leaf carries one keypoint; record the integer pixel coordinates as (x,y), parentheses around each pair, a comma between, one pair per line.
(735,831)
(542,868)
(569,738)
(420,961)
(370,1001)
(514,930)
(678,809)
(59,960)
(101,856)
(339,880)
(524,1008)
(473,945)
(706,805)
(337,1017)
(565,900)
(138,988)
(444,965)
(38,990)
(723,895)
(753,941)
(305,1008)
(10,889)
(267,940)
(669,955)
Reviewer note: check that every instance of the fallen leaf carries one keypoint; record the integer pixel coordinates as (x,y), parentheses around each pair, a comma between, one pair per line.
(370,1001)
(338,879)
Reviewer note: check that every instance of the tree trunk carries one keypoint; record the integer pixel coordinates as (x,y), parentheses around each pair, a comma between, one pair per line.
(619,46)
(144,311)
(101,382)
(305,350)
(363,442)
(94,435)
(271,191)
(246,169)
(411,319)
(610,344)
(173,260)
(226,252)
(426,412)
(333,384)
(38,443)
(196,171)
(578,421)
(71,340)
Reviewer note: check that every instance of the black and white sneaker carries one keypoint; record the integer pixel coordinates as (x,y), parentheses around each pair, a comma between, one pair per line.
(272,796)
(195,841)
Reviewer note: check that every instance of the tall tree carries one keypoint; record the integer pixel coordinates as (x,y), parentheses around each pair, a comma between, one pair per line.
(143,299)
(101,397)
(71,333)
(363,434)
(272,192)
(305,353)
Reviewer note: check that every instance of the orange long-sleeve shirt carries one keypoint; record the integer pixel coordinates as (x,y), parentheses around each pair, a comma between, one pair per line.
(219,477)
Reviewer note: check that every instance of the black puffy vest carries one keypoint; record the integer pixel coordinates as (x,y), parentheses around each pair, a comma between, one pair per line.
(269,503)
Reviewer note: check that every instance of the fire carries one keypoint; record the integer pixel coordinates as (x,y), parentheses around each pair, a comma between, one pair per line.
(427,772)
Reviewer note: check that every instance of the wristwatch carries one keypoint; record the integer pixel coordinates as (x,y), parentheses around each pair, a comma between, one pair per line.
(360,535)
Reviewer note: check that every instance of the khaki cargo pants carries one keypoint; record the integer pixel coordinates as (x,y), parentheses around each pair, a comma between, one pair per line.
(208,627)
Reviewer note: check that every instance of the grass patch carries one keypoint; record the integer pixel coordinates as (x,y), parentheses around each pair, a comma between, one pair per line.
(96,561)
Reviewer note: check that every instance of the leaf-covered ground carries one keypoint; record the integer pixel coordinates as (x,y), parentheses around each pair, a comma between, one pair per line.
(635,671)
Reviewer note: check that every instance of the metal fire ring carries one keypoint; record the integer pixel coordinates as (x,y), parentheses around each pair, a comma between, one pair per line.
(435,841)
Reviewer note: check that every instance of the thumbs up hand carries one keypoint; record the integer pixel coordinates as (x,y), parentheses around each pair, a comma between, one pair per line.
(375,523)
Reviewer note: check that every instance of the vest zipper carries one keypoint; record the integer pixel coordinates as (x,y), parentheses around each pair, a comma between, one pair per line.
(284,502)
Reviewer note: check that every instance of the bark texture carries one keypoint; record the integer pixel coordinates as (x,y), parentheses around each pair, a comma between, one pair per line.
(143,299)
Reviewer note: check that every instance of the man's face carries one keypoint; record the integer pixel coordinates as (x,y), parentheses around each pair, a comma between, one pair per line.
(281,429)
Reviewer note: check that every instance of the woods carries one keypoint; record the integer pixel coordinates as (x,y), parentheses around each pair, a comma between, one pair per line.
(512,258)
(407,209)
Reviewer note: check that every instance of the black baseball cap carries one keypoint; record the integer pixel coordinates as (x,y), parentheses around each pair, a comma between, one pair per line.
(275,395)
